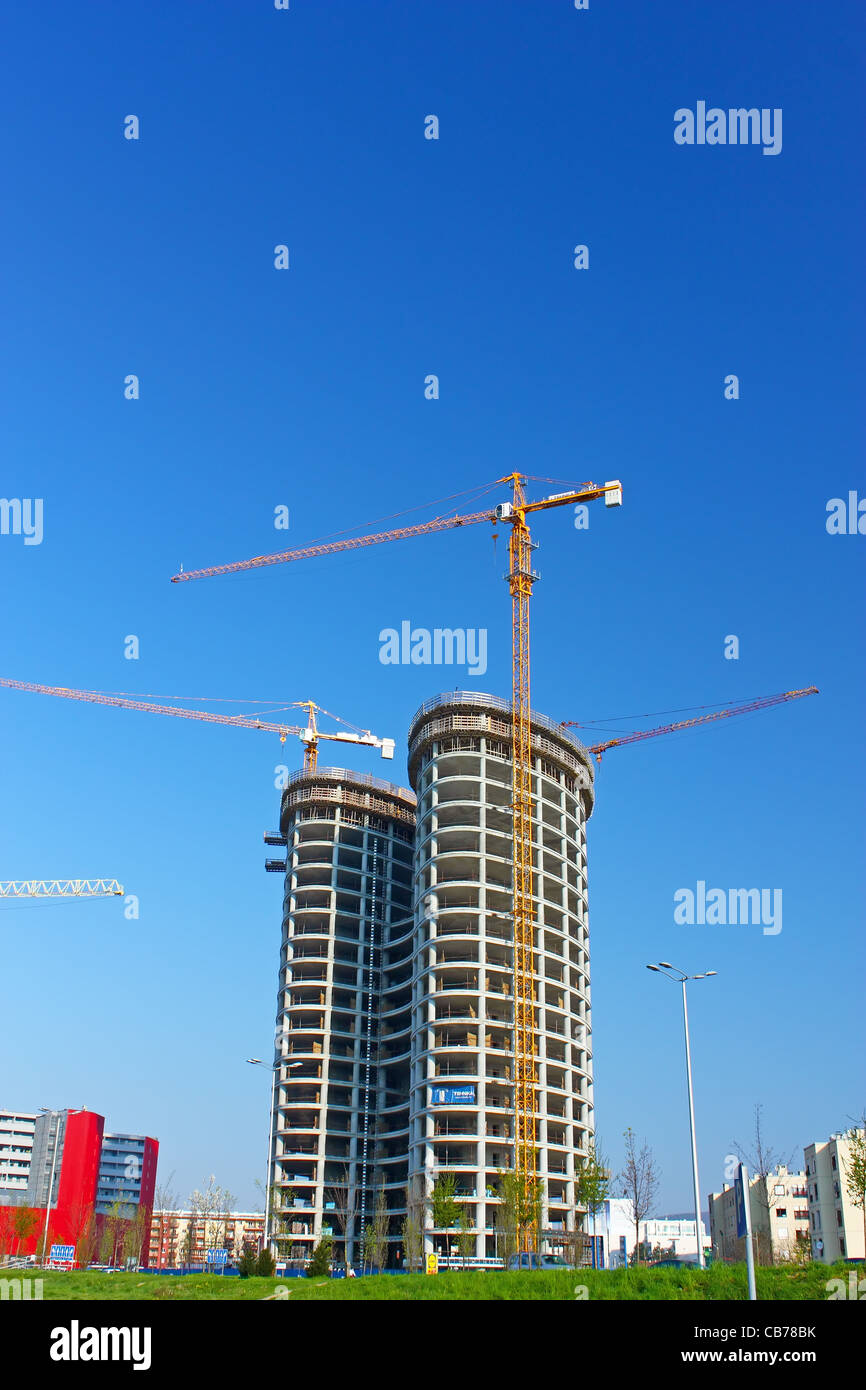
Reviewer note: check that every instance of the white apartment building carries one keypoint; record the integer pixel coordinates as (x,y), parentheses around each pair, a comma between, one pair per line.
(16,1151)
(780,1219)
(835,1223)
(671,1235)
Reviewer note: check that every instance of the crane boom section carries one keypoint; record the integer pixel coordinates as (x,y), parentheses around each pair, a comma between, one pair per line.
(60,888)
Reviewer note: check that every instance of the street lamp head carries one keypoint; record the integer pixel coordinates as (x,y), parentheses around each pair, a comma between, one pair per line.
(255,1061)
(652,967)
(710,972)
(667,965)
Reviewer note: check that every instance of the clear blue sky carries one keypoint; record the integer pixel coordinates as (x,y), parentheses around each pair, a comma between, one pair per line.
(306,388)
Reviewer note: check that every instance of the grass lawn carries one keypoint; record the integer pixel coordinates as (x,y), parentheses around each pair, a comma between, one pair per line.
(720,1282)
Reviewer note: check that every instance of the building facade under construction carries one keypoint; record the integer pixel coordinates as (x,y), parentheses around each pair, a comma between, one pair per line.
(395,1022)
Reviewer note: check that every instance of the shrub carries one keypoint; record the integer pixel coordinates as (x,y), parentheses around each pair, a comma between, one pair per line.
(320,1260)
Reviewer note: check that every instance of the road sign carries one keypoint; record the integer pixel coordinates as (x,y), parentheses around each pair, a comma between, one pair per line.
(740,1199)
(62,1254)
(217,1257)
(432,1264)
(744,1223)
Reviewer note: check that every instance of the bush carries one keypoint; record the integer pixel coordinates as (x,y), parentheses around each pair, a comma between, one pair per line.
(265,1264)
(320,1260)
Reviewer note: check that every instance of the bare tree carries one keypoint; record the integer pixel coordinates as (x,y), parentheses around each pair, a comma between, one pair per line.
(640,1180)
(379,1242)
(165,1204)
(344,1195)
(762,1161)
(213,1208)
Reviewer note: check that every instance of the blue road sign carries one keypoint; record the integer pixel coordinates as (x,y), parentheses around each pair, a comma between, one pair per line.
(740,1199)
(217,1257)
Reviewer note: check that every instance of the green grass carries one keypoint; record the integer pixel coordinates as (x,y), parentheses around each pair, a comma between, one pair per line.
(720,1282)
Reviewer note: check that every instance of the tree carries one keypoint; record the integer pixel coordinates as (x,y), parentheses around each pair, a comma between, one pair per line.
(762,1161)
(379,1242)
(640,1180)
(188,1244)
(519,1211)
(265,1264)
(465,1236)
(855,1168)
(212,1208)
(278,1200)
(344,1195)
(413,1223)
(165,1205)
(133,1236)
(367,1244)
(24,1223)
(591,1184)
(87,1241)
(248,1260)
(113,1226)
(320,1260)
(444,1206)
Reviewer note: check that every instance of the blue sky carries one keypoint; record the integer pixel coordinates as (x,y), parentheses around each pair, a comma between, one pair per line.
(305,388)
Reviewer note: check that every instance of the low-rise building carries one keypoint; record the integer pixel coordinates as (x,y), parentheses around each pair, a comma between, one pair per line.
(179,1238)
(16,1150)
(660,1237)
(835,1223)
(779,1213)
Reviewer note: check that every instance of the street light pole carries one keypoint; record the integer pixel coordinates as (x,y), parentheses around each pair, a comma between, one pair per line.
(55,1114)
(663,968)
(701,1261)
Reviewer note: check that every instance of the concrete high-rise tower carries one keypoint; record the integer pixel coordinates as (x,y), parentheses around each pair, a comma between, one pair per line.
(462,1070)
(339,1083)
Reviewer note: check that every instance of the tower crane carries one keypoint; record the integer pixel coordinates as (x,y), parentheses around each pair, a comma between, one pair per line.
(60,888)
(521,577)
(747,707)
(309,734)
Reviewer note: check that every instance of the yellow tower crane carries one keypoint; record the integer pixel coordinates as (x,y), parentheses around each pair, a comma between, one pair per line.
(521,578)
(309,733)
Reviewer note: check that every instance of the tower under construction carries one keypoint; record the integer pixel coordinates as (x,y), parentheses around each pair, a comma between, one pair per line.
(395,1059)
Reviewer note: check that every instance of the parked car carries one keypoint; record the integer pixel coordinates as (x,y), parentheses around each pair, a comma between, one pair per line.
(529,1260)
(679,1262)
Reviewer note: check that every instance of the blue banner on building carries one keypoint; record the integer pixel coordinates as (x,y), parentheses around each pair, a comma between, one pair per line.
(453,1095)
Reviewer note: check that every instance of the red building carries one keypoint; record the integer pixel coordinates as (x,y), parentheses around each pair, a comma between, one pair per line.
(103,1184)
